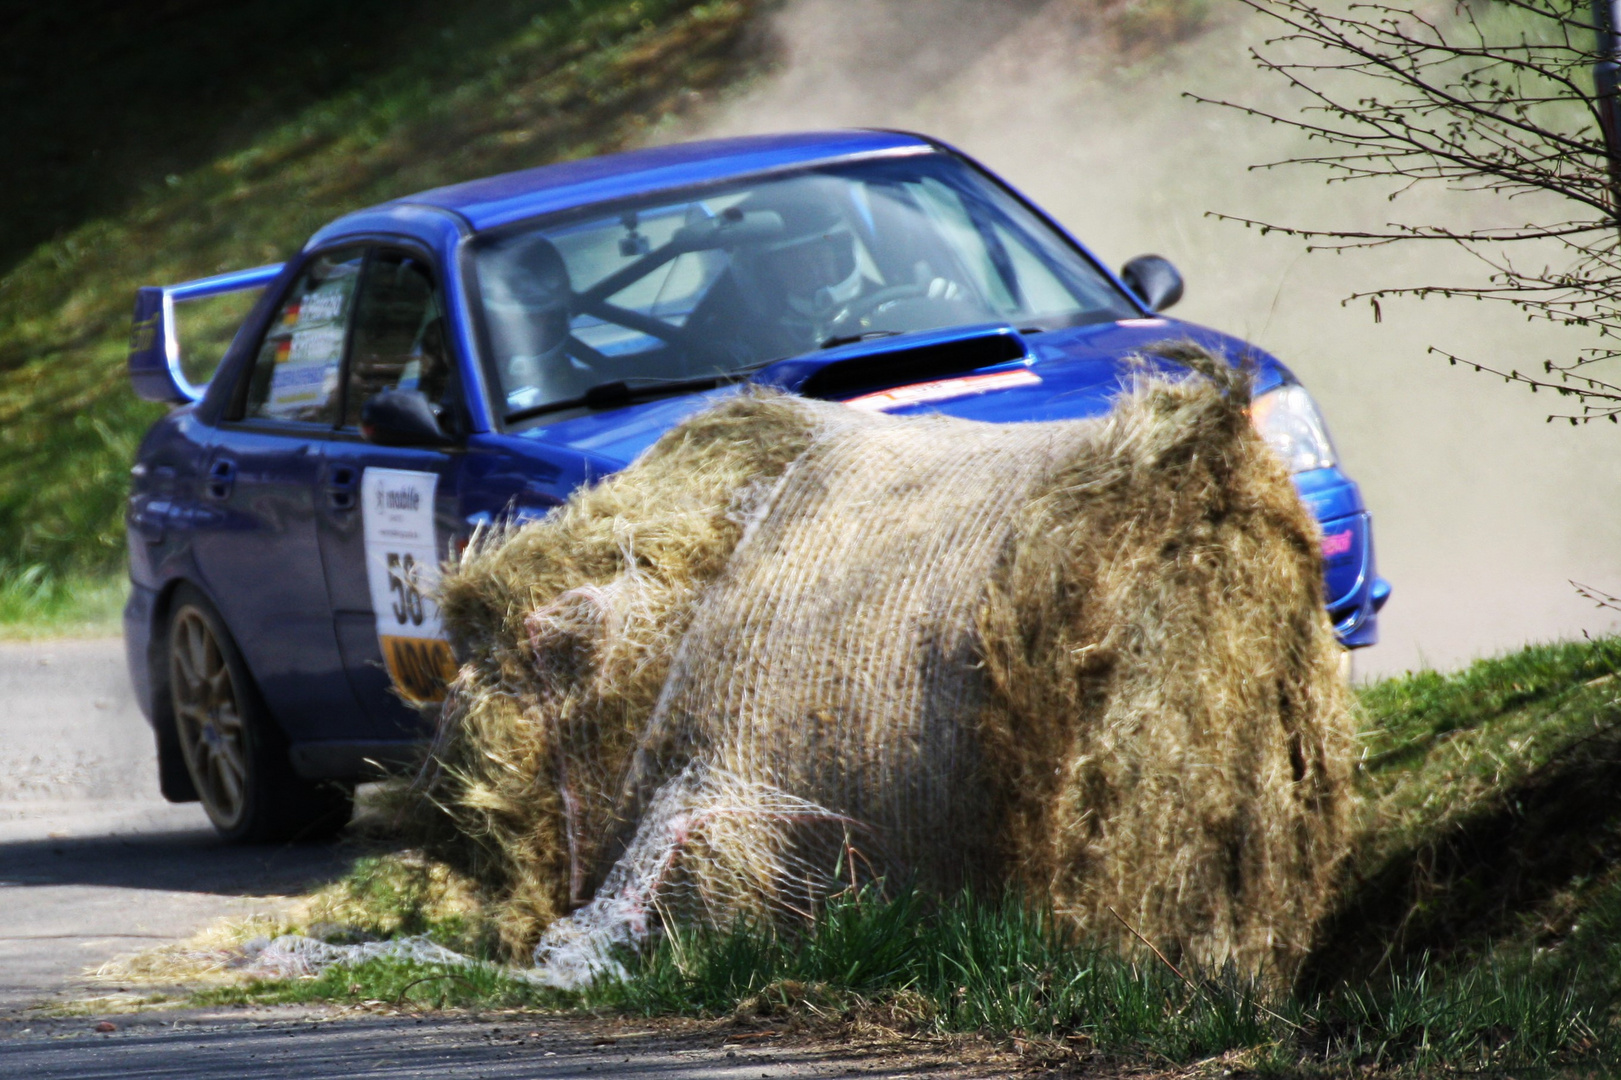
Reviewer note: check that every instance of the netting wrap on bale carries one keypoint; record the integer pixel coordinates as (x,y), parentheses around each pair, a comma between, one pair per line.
(796,648)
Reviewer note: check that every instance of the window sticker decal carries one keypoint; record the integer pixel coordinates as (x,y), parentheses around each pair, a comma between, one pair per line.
(309,356)
(402,572)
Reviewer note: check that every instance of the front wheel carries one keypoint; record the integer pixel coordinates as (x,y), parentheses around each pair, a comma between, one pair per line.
(234,754)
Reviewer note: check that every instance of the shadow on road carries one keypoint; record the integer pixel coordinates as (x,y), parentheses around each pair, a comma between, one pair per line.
(192,860)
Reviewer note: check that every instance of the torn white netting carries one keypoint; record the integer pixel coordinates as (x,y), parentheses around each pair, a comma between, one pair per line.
(291,956)
(736,828)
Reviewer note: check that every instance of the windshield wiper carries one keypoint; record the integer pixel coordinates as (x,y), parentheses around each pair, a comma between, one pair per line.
(610,394)
(619,392)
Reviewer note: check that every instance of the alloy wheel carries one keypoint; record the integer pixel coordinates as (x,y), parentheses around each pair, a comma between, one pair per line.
(208,717)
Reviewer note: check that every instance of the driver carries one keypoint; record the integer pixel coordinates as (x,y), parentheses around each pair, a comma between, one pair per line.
(795,290)
(528,302)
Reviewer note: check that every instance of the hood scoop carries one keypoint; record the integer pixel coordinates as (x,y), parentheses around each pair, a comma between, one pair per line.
(882,363)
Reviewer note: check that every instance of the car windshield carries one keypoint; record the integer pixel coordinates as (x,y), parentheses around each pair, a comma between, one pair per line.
(709,284)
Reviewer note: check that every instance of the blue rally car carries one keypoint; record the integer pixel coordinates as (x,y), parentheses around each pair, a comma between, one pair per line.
(482,350)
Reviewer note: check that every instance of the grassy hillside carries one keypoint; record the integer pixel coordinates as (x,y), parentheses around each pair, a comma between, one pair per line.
(1491,821)
(489,85)
(103,100)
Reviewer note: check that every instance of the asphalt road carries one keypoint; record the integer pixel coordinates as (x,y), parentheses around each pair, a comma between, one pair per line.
(94,864)
(300,1045)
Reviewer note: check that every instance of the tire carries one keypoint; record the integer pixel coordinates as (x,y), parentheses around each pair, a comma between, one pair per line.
(234,753)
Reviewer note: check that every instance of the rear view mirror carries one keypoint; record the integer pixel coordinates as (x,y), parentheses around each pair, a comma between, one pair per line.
(1155,281)
(401,418)
(181,332)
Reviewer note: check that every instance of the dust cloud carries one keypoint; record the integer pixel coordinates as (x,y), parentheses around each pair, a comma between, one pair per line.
(1483,512)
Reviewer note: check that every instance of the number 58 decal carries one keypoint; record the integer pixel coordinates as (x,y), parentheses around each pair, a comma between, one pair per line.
(402,570)
(402,584)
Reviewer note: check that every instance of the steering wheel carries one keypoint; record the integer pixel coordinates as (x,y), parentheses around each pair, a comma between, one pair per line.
(863,306)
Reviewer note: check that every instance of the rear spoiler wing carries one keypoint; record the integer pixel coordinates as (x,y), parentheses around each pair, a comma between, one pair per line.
(154,343)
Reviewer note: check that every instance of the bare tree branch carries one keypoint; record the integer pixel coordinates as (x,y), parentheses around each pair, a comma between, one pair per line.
(1492,96)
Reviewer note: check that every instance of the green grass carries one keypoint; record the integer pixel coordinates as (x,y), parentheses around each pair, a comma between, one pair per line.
(1408,717)
(105,100)
(394,982)
(1009,969)
(1479,927)
(494,86)
(36,603)
(1492,804)
(1005,968)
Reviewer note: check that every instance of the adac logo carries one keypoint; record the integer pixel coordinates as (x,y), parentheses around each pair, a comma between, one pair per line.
(144,334)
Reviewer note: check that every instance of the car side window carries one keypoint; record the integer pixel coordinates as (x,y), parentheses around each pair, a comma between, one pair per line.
(399,338)
(295,376)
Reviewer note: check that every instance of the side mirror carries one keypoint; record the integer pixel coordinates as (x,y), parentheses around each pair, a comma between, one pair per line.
(1155,281)
(401,418)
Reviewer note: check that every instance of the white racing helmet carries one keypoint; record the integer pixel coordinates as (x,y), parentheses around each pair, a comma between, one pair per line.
(813,267)
(528,301)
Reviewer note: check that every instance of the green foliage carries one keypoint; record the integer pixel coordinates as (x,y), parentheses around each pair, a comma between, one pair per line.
(35,603)
(137,93)
(1479,929)
(1010,969)
(1495,1012)
(393,982)
(497,86)
(1407,716)
(964,965)
(1490,796)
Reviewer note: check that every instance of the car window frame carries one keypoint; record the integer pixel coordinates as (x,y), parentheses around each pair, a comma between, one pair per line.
(232,416)
(456,401)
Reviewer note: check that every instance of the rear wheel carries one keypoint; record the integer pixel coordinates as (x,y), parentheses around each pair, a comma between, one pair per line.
(233,752)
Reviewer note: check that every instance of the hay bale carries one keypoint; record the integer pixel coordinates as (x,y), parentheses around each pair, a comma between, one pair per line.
(1087,657)
(569,627)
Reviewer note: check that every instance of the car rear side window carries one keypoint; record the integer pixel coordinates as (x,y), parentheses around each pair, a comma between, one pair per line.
(295,376)
(399,338)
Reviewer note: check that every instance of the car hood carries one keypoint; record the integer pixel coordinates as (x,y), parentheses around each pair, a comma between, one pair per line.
(1070,374)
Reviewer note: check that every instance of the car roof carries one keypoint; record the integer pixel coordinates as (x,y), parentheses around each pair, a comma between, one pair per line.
(498,200)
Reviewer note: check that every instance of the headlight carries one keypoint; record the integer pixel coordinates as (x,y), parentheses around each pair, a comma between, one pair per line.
(1288,420)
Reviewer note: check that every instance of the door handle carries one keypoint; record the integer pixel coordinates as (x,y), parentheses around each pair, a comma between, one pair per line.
(342,487)
(221,478)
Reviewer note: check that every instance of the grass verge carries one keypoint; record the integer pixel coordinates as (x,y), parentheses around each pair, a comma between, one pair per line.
(1479,927)
(35,603)
(1010,970)
(1491,812)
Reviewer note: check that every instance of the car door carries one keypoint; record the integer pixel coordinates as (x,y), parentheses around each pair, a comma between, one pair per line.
(257,553)
(387,514)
